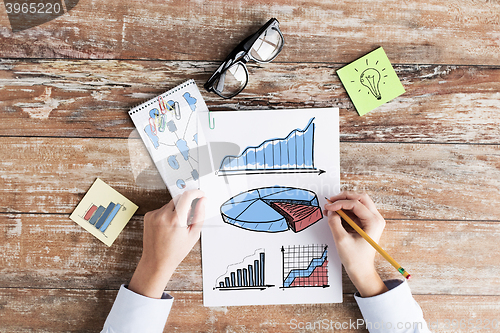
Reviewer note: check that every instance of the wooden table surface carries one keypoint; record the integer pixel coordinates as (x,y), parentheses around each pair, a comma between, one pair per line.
(430,158)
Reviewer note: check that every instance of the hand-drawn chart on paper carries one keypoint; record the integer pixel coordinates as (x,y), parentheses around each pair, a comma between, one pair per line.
(293,153)
(305,266)
(272,209)
(168,126)
(249,274)
(265,239)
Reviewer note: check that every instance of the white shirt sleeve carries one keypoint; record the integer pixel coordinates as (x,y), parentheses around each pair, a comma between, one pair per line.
(132,312)
(394,311)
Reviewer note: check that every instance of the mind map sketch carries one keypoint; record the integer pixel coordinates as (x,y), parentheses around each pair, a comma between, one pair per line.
(168,126)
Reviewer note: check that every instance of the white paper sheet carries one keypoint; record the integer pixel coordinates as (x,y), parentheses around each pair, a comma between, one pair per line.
(265,203)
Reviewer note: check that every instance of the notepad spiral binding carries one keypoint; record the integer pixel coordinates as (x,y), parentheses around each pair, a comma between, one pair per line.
(151,101)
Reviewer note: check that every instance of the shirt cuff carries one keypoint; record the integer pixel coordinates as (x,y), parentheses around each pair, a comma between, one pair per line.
(393,311)
(132,312)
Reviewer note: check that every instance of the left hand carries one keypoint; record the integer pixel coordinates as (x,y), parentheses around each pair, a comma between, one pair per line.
(169,235)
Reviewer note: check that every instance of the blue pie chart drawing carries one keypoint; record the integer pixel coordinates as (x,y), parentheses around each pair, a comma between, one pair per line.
(272,209)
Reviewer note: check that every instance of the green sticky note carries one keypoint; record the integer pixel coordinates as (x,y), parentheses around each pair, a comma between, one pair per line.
(370,81)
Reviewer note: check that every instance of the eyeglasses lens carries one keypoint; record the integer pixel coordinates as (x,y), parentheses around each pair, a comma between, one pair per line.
(232,81)
(267,46)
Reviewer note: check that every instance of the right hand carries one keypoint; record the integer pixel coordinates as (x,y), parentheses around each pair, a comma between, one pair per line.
(356,254)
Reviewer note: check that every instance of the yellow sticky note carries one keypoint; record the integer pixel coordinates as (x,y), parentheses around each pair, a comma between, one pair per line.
(370,81)
(103,212)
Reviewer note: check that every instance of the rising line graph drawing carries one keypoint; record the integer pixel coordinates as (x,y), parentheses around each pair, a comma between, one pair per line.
(305,266)
(291,154)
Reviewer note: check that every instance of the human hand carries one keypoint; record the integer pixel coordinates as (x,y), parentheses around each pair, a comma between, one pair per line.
(169,234)
(356,254)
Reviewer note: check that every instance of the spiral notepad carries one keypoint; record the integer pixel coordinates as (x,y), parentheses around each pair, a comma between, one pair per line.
(168,126)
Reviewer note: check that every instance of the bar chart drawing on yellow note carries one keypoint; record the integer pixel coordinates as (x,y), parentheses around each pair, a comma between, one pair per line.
(103,212)
(269,228)
(100,216)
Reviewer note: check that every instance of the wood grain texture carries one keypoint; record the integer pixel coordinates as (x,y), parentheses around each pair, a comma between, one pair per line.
(53,178)
(430,158)
(418,31)
(443,104)
(51,251)
(51,175)
(65,310)
(53,310)
(425,181)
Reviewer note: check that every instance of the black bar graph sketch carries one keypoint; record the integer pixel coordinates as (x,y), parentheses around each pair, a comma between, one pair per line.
(245,275)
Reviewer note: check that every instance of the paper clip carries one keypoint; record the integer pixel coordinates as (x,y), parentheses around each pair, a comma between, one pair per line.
(162,104)
(211,121)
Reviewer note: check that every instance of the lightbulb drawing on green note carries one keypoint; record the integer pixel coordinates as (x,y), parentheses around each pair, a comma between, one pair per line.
(370,78)
(370,81)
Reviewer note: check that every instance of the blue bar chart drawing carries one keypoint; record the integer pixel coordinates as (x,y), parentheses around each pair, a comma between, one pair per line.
(245,275)
(291,154)
(105,215)
(100,216)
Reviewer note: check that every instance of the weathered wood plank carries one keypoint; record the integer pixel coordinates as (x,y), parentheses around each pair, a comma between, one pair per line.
(91,98)
(51,251)
(54,310)
(51,175)
(63,310)
(437,310)
(42,250)
(46,175)
(418,31)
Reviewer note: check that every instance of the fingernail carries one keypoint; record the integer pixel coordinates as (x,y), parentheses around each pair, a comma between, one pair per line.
(330,213)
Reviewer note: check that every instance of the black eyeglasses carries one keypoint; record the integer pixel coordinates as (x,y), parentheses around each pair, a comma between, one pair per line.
(232,75)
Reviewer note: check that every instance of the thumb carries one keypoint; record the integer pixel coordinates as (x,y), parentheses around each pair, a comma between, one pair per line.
(198,217)
(336,227)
